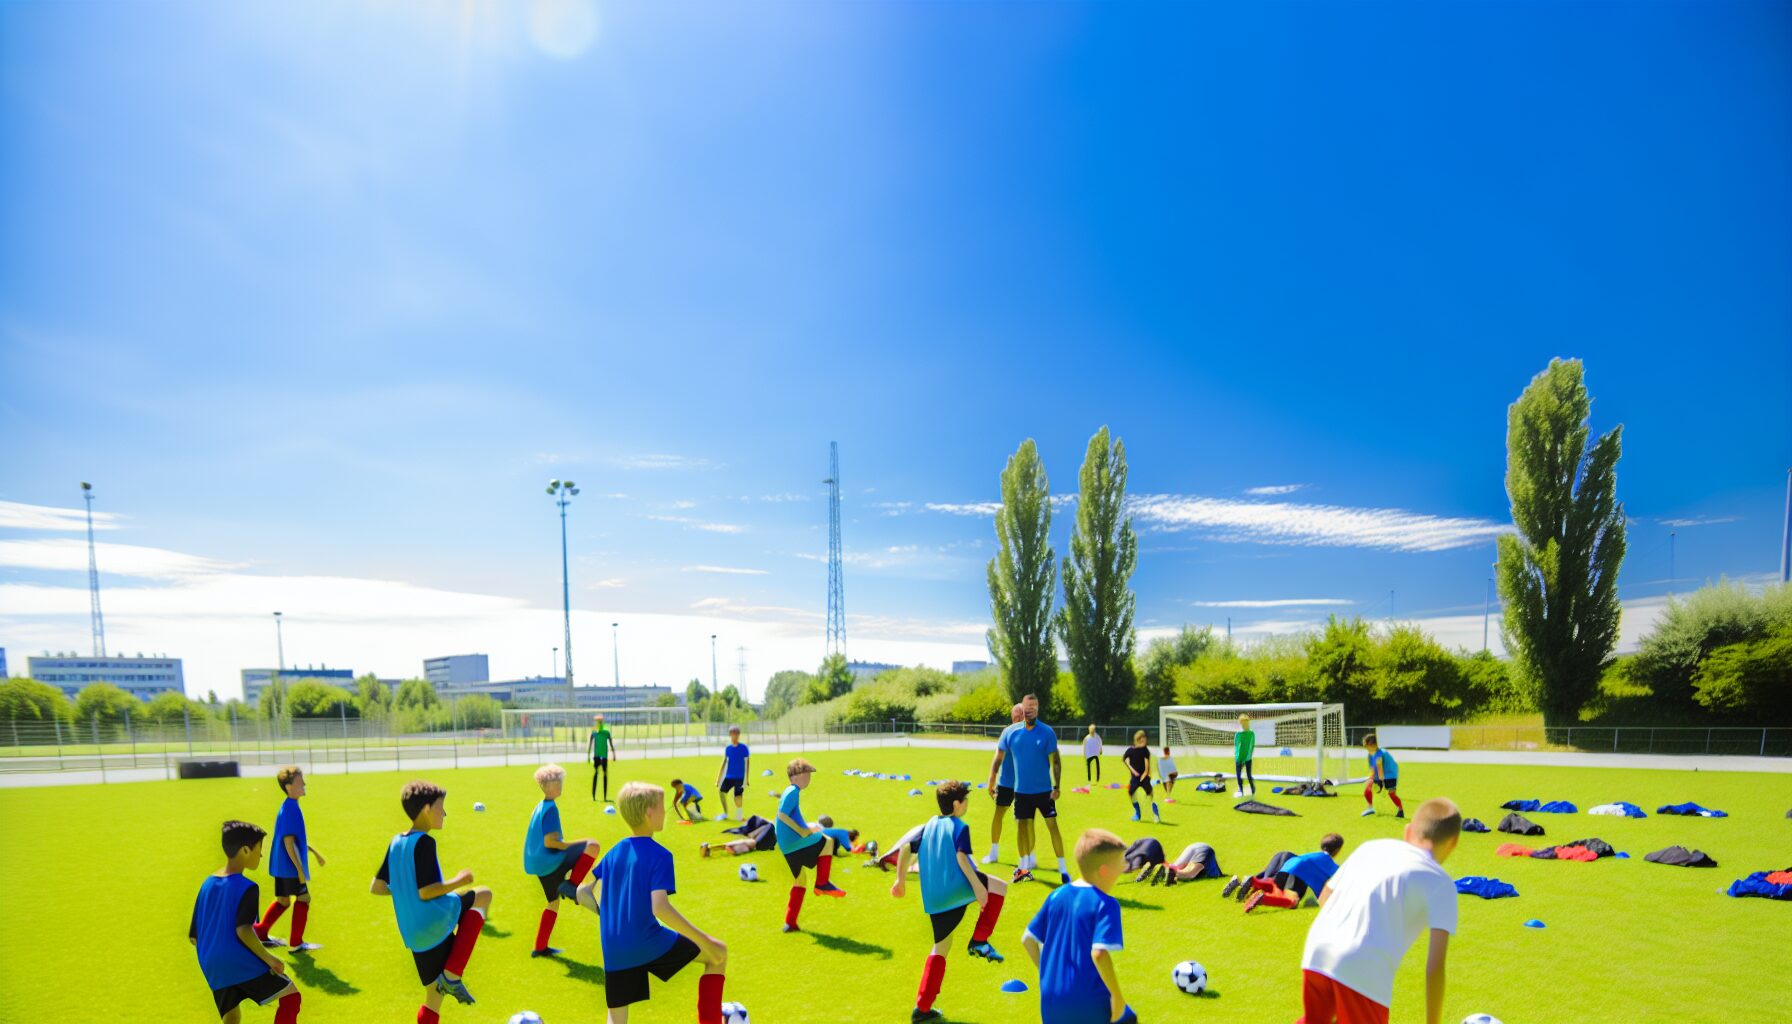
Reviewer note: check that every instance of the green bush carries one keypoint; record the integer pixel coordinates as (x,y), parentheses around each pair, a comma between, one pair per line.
(1752,678)
(27,700)
(1669,657)
(478,711)
(309,698)
(875,704)
(986,704)
(106,702)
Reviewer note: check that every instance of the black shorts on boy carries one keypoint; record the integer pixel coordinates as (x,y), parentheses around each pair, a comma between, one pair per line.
(947,921)
(550,882)
(1025,804)
(1138,783)
(290,887)
(431,962)
(622,988)
(806,856)
(262,988)
(736,786)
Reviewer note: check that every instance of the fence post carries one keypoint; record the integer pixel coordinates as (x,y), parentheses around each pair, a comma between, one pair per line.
(1707,741)
(186,715)
(96,747)
(1763,740)
(1615,732)
(59,765)
(131,731)
(343,708)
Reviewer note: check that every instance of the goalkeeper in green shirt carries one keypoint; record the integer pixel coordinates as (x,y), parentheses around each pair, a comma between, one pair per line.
(1244,747)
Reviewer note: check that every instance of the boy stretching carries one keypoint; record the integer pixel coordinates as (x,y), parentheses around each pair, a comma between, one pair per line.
(642,932)
(687,803)
(1197,861)
(439,926)
(949,884)
(802,848)
(1383,774)
(1075,935)
(230,953)
(291,867)
(1390,892)
(1283,885)
(732,776)
(558,864)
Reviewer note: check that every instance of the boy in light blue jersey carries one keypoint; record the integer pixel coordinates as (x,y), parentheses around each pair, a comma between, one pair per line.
(1074,936)
(1001,789)
(1384,773)
(291,866)
(950,883)
(687,803)
(222,933)
(732,776)
(802,846)
(560,865)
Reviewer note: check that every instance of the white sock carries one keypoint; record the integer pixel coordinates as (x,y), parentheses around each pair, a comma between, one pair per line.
(1063,868)
(995,851)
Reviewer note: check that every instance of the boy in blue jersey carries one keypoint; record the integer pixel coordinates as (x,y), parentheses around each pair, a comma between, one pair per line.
(687,803)
(1383,774)
(803,847)
(1284,884)
(439,926)
(560,865)
(1001,790)
(949,884)
(631,891)
(222,931)
(290,868)
(732,777)
(1075,935)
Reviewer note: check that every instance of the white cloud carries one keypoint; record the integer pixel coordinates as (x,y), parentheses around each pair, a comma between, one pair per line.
(726,570)
(16,515)
(684,503)
(1697,521)
(699,524)
(1274,489)
(1284,602)
(968,508)
(1280,522)
(660,461)
(70,555)
(608,583)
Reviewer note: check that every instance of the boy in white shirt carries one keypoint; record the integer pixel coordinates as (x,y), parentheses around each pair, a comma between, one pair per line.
(1166,772)
(1387,894)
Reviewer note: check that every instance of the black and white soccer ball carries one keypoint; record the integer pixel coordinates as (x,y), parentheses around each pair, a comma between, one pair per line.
(749,873)
(734,1013)
(525,1017)
(1190,977)
(1480,1018)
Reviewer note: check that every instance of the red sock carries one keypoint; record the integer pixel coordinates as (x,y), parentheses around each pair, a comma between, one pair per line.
(931,977)
(796,905)
(581,868)
(1263,885)
(1369,794)
(822,867)
(986,919)
(275,909)
(545,930)
(288,1010)
(425,1015)
(709,999)
(301,912)
(466,934)
(1279,898)
(1396,798)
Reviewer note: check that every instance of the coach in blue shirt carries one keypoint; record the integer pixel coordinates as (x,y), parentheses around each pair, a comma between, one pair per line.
(1033,747)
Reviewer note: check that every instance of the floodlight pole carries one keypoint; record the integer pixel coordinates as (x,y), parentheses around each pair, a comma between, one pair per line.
(562,492)
(615,657)
(1786,535)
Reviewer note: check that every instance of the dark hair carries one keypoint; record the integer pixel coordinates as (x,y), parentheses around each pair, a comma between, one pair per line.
(950,793)
(1370,738)
(1332,843)
(238,834)
(415,796)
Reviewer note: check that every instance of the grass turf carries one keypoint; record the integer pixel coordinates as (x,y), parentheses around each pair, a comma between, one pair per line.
(100,884)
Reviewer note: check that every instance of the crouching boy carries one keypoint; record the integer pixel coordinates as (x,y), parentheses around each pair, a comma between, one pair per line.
(439,926)
(230,952)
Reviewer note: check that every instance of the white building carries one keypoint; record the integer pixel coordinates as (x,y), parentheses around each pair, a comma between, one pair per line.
(143,678)
(457,668)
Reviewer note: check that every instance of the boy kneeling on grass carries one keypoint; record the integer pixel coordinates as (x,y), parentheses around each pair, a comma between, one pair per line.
(1287,878)
(950,883)
(1074,936)
(687,803)
(230,952)
(439,926)
(559,865)
(631,892)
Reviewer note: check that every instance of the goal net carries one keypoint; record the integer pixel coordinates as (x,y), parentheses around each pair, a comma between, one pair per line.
(1295,742)
(572,725)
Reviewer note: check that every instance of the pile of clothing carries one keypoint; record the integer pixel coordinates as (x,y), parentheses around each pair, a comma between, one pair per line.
(1211,786)
(1541,806)
(1258,807)
(1584,850)
(1690,810)
(1519,825)
(1772,885)
(1475,825)
(1486,888)
(1681,857)
(1620,809)
(1307,789)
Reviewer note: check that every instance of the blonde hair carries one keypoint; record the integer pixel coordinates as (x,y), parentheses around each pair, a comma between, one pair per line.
(1437,820)
(549,773)
(1094,847)
(285,775)
(636,799)
(1137,737)
(797,767)
(1244,720)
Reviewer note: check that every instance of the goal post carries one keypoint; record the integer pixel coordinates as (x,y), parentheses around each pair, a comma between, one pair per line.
(1313,733)
(571,725)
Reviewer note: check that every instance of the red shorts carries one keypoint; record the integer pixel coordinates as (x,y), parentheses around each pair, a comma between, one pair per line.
(1328,1002)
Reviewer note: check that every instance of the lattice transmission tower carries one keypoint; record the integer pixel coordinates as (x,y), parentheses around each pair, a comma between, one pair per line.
(93,577)
(836,584)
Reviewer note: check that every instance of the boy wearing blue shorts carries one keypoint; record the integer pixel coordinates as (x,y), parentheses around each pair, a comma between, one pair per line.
(1075,935)
(291,866)
(732,777)
(222,932)
(558,864)
(950,883)
(1383,774)
(803,847)
(631,891)
(687,803)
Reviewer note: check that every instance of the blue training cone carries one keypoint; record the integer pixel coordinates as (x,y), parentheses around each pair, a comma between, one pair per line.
(609,810)
(1014,985)
(1533,923)
(914,792)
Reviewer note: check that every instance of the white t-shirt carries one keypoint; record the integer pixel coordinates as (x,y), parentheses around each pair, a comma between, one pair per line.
(1166,767)
(1384,897)
(1092,746)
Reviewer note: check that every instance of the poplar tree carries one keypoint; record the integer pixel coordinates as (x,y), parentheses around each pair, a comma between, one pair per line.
(1022,580)
(1096,621)
(1558,574)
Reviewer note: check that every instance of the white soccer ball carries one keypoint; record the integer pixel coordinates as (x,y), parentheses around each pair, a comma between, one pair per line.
(1190,977)
(526,1017)
(1480,1018)
(749,873)
(734,1013)
(479,807)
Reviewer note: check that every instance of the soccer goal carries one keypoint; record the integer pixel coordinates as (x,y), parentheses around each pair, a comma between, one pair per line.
(1313,734)
(571,725)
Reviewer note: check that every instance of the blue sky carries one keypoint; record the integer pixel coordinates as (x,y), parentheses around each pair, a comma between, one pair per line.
(320,296)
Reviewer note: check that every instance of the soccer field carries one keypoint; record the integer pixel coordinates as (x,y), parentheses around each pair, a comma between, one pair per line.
(100,881)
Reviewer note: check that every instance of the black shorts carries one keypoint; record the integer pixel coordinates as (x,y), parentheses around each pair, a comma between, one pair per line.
(624,987)
(736,786)
(1027,803)
(290,887)
(1004,796)
(550,882)
(946,921)
(806,856)
(601,762)
(1137,784)
(262,989)
(430,962)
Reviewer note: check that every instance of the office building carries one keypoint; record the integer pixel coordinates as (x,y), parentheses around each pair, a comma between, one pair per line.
(255,680)
(457,668)
(3,673)
(865,671)
(965,668)
(550,692)
(143,678)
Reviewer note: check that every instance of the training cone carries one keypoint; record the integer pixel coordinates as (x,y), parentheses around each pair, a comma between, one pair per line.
(609,810)
(1014,985)
(1533,923)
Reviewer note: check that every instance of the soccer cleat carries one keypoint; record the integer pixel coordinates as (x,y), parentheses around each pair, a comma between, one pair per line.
(791,928)
(549,951)
(921,1016)
(984,950)
(870,849)
(1367,813)
(569,891)
(829,889)
(1231,887)
(1063,878)
(1163,872)
(1251,902)
(1145,875)
(1170,878)
(456,988)
(1401,813)
(1244,893)
(704,847)
(305,947)
(1238,794)
(722,816)
(1135,815)
(271,942)
(1021,875)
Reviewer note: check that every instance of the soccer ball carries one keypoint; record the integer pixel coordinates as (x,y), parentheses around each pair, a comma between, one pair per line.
(526,1017)
(479,807)
(1190,977)
(1480,1018)
(749,873)
(734,1013)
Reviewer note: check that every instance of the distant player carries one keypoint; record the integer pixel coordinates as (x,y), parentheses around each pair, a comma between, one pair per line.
(732,777)
(1284,884)
(802,847)
(1075,935)
(560,865)
(291,866)
(1244,750)
(1001,789)
(643,933)
(1091,755)
(1166,770)
(1387,894)
(888,860)
(230,951)
(949,884)
(439,926)
(844,840)
(1383,774)
(687,803)
(600,747)
(1038,775)
(1137,759)
(1197,861)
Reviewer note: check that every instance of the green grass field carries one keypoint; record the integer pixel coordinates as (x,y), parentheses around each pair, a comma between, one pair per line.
(100,881)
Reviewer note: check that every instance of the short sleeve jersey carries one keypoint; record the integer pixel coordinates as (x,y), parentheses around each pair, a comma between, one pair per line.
(538,860)
(1091,745)
(423,924)
(1384,897)
(630,874)
(1389,768)
(1244,745)
(1138,759)
(690,793)
(1031,750)
(790,804)
(289,822)
(1074,921)
(225,903)
(1166,766)
(1005,777)
(600,744)
(1315,869)
(943,885)
(734,761)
